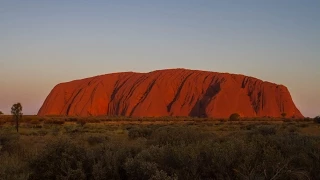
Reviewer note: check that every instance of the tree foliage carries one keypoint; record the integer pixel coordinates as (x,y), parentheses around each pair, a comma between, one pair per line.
(16,111)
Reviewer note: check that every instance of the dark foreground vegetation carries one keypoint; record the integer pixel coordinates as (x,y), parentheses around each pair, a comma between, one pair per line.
(60,148)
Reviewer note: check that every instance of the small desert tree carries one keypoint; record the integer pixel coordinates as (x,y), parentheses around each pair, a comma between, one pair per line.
(317,119)
(16,111)
(1,113)
(284,114)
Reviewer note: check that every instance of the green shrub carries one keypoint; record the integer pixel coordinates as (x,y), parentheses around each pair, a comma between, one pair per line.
(137,132)
(250,126)
(61,159)
(34,122)
(71,119)
(95,139)
(12,167)
(41,132)
(9,142)
(55,130)
(234,117)
(303,125)
(161,175)
(317,119)
(109,160)
(165,152)
(284,114)
(54,121)
(293,129)
(71,129)
(106,163)
(178,135)
(267,130)
(81,122)
(140,169)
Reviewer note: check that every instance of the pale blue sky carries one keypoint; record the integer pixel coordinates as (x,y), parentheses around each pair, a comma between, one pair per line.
(44,42)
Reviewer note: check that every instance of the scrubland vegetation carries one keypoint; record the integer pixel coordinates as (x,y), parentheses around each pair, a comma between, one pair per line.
(162,148)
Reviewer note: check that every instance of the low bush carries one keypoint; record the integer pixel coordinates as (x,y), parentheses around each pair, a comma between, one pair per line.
(13,168)
(9,142)
(81,122)
(178,135)
(250,126)
(96,139)
(137,132)
(71,119)
(234,117)
(54,121)
(266,130)
(164,152)
(293,129)
(108,160)
(42,133)
(304,125)
(61,159)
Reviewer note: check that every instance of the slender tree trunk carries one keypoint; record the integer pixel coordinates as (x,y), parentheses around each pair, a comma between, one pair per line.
(17,124)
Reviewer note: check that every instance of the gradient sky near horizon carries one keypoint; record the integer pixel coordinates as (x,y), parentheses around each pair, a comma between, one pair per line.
(43,43)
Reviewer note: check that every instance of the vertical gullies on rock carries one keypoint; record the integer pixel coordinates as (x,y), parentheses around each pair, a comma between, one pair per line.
(178,93)
(71,103)
(170,92)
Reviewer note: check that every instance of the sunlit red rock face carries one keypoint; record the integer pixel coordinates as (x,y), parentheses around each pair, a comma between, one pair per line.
(171,92)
